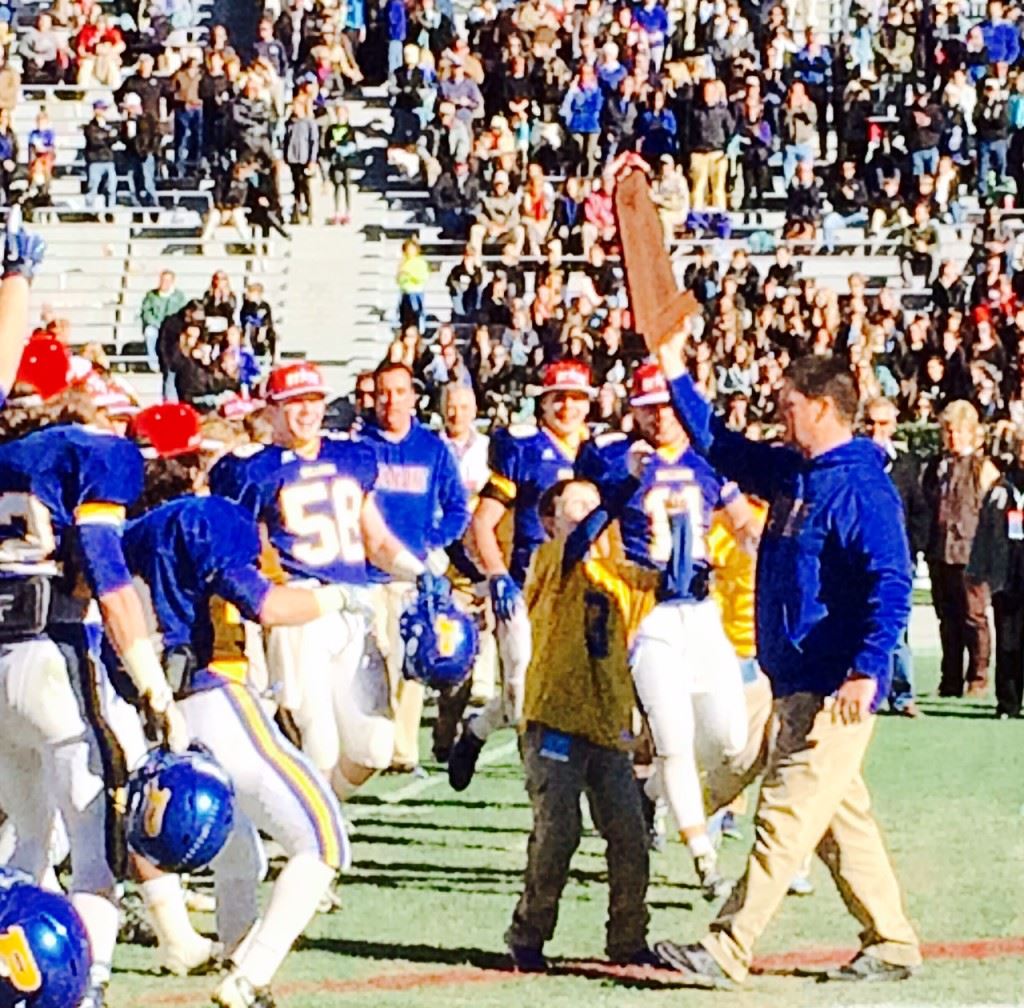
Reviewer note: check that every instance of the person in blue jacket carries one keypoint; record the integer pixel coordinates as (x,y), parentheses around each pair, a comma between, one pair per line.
(1002,37)
(832,599)
(581,110)
(424,504)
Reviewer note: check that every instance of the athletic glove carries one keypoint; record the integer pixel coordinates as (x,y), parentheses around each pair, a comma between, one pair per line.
(437,561)
(340,598)
(173,731)
(505,596)
(433,586)
(23,252)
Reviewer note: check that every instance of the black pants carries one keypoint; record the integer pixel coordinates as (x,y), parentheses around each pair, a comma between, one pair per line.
(963,626)
(555,787)
(1008,609)
(302,183)
(818,94)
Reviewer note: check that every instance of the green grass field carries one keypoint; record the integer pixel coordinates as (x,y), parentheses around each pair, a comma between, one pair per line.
(436,876)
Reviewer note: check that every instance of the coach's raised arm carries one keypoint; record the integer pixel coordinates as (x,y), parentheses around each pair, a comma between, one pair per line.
(833,597)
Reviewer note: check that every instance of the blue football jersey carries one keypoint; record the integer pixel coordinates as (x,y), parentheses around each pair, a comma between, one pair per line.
(228,472)
(195,554)
(525,461)
(56,480)
(664,523)
(312,507)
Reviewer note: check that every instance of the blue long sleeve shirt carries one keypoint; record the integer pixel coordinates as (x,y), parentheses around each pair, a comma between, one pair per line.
(419,491)
(833,575)
(1002,39)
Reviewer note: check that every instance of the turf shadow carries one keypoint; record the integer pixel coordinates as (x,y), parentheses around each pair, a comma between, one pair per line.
(455,803)
(635,978)
(390,951)
(987,714)
(447,827)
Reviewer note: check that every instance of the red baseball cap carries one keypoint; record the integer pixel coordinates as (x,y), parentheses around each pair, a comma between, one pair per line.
(167,429)
(294,380)
(45,368)
(566,376)
(649,386)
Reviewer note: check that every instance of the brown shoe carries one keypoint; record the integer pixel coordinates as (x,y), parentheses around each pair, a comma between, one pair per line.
(977,691)
(911,711)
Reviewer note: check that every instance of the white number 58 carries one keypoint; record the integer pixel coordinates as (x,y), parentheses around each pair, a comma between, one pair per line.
(326,534)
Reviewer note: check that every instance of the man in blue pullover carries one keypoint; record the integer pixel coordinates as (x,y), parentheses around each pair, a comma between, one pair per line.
(833,598)
(1002,37)
(421,497)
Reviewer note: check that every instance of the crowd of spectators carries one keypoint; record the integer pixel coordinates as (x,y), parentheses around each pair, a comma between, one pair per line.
(256,121)
(209,350)
(894,131)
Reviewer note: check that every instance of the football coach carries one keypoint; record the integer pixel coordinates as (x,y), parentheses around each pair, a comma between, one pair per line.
(833,598)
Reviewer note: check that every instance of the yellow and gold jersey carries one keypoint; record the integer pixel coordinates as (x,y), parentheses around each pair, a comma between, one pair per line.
(732,586)
(583,623)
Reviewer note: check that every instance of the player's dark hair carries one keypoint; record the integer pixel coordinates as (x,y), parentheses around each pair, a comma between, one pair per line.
(825,378)
(549,498)
(168,478)
(258,427)
(386,367)
(70,407)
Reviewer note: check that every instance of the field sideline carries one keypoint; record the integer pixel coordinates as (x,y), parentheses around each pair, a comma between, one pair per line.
(436,876)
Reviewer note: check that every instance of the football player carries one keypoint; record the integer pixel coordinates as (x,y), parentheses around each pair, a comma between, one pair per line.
(22,254)
(525,461)
(199,557)
(312,494)
(687,677)
(64,488)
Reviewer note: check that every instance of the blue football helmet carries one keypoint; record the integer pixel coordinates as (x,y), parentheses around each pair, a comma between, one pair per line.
(181,809)
(44,951)
(440,640)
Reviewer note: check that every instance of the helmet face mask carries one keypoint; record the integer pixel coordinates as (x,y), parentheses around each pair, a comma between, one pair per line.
(180,810)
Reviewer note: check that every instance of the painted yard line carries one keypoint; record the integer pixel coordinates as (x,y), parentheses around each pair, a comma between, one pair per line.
(416,788)
(409,980)
(981,948)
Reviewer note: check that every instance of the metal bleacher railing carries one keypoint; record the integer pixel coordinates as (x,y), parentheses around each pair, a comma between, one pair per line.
(97,272)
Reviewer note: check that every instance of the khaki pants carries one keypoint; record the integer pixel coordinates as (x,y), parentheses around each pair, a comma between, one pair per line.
(814,798)
(708,171)
(389,600)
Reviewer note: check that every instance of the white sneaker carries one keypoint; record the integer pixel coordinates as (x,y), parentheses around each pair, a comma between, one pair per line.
(204,958)
(801,885)
(237,992)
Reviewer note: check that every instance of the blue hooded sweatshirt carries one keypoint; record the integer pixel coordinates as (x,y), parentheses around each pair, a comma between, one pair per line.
(833,575)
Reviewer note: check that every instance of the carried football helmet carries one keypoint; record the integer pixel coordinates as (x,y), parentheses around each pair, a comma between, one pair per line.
(181,809)
(440,640)
(44,950)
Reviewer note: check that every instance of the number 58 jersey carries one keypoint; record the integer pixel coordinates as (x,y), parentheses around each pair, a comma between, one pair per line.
(664,524)
(311,507)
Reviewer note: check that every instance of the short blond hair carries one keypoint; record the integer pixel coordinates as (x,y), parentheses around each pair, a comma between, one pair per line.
(960,415)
